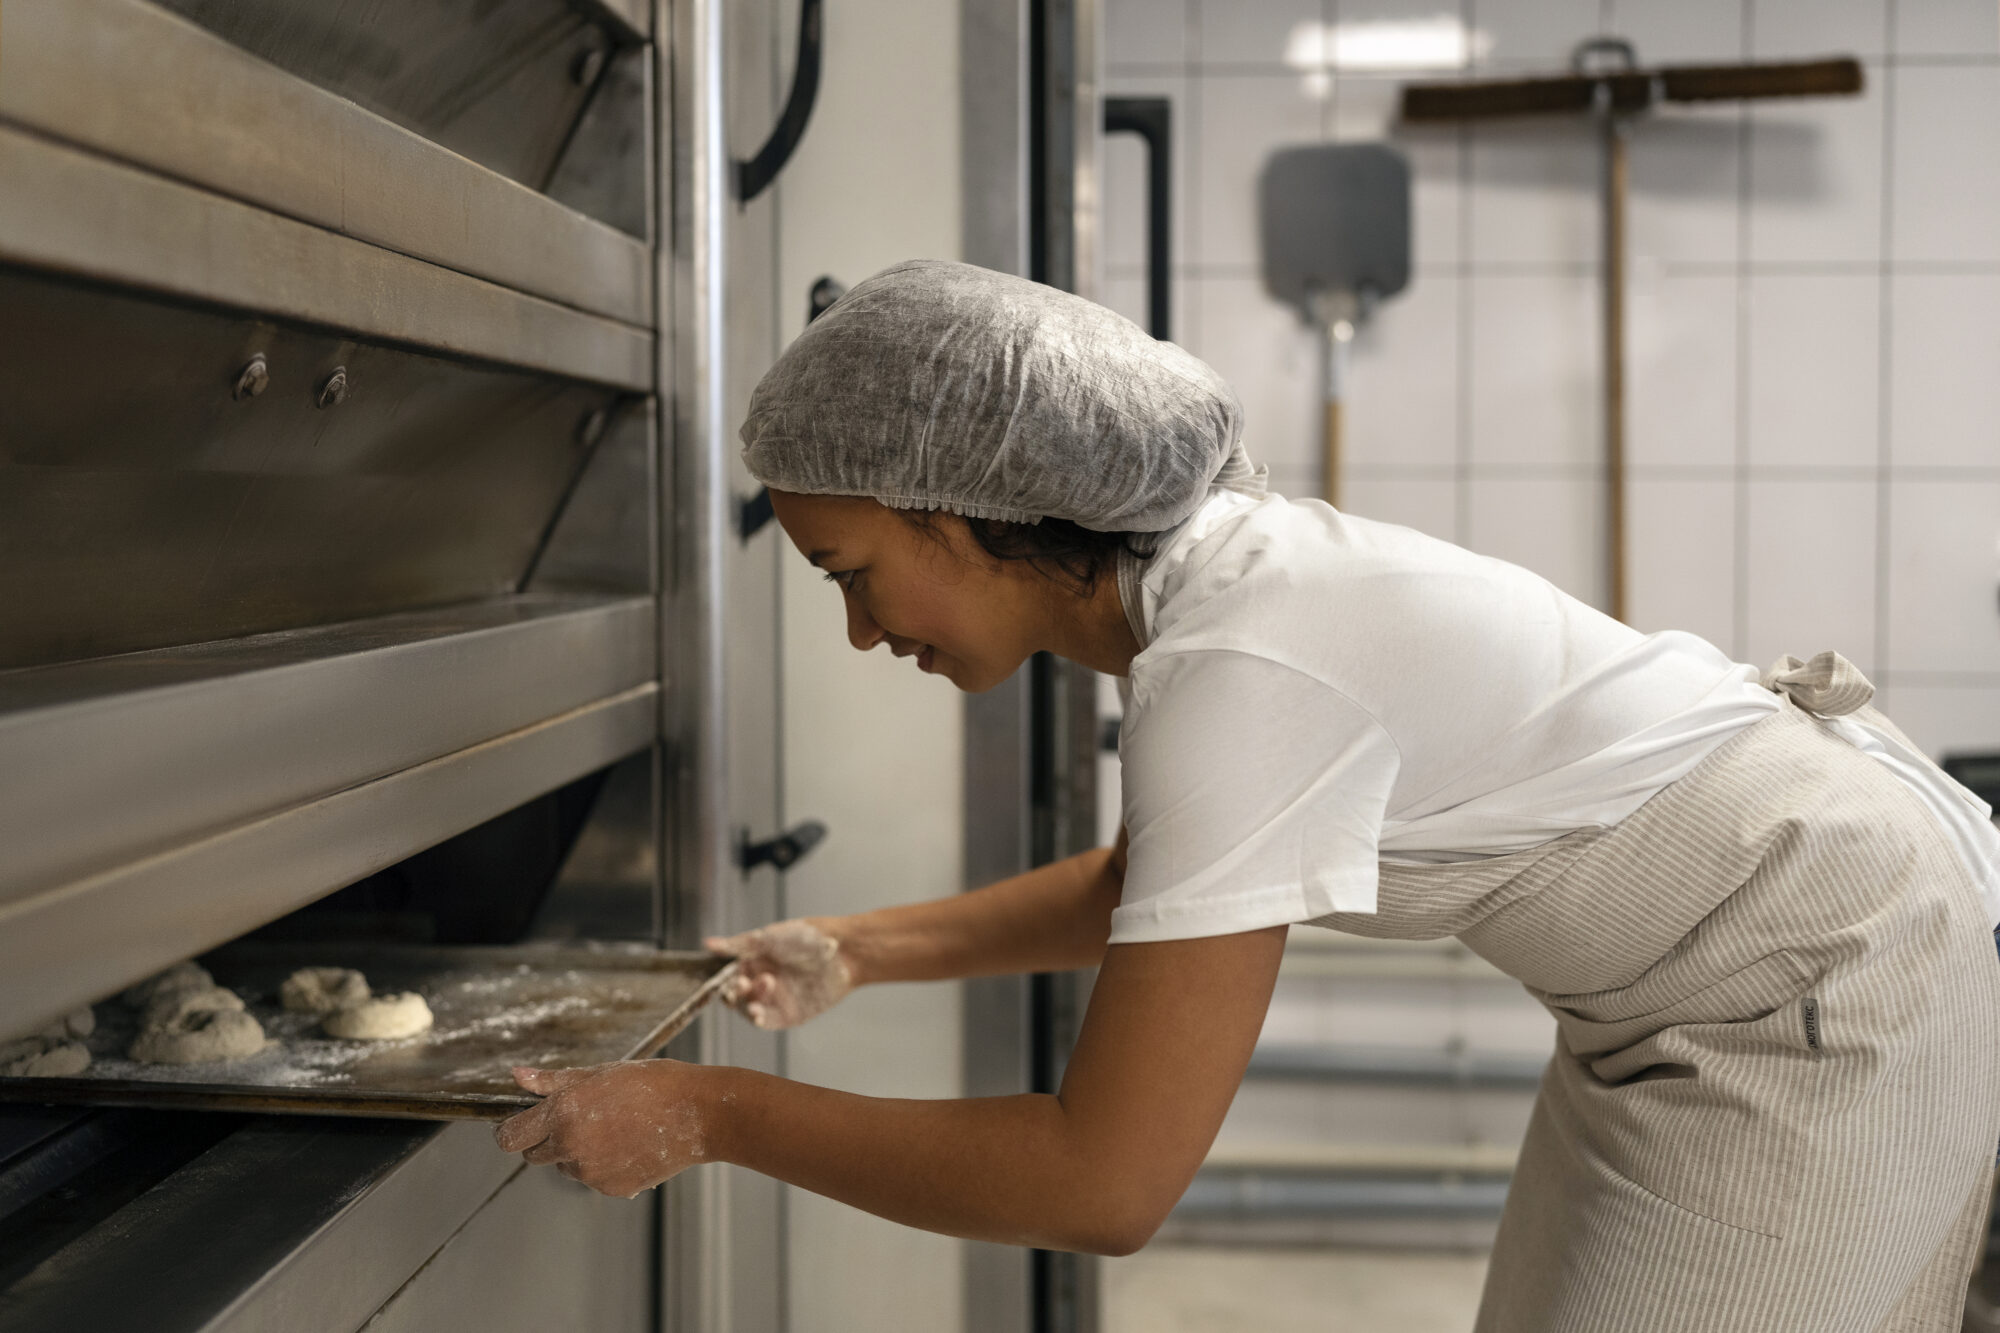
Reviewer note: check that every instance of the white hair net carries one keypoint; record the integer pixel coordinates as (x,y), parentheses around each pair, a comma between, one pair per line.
(936,385)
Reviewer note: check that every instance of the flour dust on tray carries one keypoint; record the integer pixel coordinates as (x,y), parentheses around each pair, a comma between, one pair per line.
(383,1018)
(322,990)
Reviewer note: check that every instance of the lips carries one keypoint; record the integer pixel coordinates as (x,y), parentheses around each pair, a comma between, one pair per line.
(925,657)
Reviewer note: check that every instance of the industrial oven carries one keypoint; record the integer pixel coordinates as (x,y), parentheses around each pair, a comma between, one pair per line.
(363,527)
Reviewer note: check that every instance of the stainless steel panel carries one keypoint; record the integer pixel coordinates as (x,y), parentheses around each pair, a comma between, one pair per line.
(193,107)
(606,169)
(545,1254)
(77,213)
(284,1225)
(994,128)
(142,504)
(634,16)
(757,1205)
(605,537)
(500,81)
(104,761)
(697,1242)
(80,942)
(608,887)
(998,1039)
(993,124)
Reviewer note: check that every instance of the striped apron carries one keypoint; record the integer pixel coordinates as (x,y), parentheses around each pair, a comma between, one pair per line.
(1776,1087)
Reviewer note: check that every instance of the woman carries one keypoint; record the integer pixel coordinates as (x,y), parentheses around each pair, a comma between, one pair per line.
(1759,916)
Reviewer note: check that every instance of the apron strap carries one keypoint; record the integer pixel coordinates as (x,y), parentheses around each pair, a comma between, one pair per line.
(1828,686)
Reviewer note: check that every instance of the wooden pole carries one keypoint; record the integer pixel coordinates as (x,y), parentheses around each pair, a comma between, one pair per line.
(1335,331)
(1616,94)
(1332,452)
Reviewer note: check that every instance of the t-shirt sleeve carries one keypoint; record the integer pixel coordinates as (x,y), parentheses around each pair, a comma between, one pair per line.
(1254,797)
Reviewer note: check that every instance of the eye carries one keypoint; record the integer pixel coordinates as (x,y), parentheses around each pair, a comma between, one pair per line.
(843,577)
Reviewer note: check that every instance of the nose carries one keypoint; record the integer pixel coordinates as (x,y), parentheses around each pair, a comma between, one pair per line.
(862,631)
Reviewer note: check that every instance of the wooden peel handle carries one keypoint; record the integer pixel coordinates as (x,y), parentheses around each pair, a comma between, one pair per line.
(1330,445)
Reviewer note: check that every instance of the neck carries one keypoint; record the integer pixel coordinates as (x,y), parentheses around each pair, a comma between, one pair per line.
(1093,631)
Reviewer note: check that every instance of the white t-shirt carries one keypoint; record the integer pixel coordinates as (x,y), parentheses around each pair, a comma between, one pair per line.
(1317,691)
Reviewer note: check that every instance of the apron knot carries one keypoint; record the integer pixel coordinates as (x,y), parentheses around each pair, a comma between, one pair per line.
(1827,686)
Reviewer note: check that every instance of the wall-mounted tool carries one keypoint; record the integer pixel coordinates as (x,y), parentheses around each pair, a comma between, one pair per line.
(1335,225)
(762,168)
(1607,82)
(752,514)
(784,851)
(824,293)
(1151,118)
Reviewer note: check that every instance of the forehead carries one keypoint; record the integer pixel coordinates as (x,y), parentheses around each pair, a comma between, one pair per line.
(830,523)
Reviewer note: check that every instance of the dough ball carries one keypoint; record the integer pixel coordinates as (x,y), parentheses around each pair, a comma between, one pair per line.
(381,1019)
(199,1036)
(169,1009)
(79,1024)
(43,1057)
(181,976)
(22,1047)
(321,990)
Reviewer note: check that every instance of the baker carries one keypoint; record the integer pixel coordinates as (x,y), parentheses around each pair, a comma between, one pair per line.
(1761,918)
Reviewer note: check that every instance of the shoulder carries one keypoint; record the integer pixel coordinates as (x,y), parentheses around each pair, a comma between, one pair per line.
(1327,592)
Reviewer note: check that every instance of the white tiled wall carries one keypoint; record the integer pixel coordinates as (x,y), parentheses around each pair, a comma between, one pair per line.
(1814,312)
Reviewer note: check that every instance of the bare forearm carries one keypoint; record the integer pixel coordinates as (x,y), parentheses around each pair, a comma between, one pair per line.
(1004,1169)
(1054,917)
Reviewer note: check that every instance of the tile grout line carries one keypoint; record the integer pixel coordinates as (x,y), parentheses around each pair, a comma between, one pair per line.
(1739,617)
(1461,498)
(1884,351)
(1191,84)
(1673,268)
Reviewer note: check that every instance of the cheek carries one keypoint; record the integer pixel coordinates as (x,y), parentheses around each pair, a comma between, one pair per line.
(928,613)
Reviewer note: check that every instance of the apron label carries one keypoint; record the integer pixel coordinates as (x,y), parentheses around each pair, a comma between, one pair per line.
(1810,1008)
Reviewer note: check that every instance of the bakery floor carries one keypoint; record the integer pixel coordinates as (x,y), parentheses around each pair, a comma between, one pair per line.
(1238,1289)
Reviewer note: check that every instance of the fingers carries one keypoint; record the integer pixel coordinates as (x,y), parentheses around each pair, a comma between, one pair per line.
(750,995)
(544,1153)
(547,1081)
(524,1130)
(734,946)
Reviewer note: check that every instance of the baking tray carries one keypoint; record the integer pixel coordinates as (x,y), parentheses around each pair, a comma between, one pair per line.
(495,1007)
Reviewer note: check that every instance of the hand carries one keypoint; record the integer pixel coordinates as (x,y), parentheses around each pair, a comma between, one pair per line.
(619,1128)
(787,972)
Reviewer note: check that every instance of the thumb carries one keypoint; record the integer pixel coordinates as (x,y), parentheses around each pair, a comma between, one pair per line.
(733,946)
(546,1081)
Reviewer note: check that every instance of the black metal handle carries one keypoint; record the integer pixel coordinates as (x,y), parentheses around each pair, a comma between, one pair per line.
(824,293)
(753,513)
(784,851)
(1151,118)
(754,175)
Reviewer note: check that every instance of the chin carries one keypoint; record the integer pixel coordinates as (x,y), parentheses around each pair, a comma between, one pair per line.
(973,681)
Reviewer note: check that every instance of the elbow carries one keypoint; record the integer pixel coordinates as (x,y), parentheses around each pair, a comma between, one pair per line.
(1119,1233)
(1121,1244)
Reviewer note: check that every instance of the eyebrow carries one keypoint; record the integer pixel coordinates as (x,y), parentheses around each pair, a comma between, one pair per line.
(816,557)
